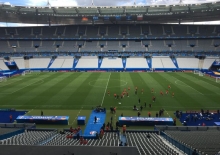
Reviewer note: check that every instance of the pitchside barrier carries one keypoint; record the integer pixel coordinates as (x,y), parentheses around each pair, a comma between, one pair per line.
(43,119)
(145,121)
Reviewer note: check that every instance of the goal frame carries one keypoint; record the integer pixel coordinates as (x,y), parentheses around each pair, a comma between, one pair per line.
(3,79)
(201,73)
(217,79)
(196,71)
(26,72)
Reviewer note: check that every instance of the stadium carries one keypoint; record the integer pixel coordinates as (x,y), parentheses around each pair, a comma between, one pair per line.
(135,79)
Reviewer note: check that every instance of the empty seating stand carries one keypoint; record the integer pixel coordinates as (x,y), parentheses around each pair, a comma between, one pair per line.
(28,138)
(153,145)
(205,141)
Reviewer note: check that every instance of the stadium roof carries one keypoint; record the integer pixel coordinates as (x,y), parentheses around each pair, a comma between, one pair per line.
(110,14)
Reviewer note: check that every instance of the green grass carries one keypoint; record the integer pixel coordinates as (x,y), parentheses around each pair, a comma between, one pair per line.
(75,94)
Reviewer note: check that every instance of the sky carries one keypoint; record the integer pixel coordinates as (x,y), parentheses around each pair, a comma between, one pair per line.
(99,2)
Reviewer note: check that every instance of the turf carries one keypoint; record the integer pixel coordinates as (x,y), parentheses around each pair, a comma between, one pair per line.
(75,93)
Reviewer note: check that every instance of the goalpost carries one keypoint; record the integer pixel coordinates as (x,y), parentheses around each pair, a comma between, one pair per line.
(217,79)
(196,71)
(3,79)
(26,72)
(201,73)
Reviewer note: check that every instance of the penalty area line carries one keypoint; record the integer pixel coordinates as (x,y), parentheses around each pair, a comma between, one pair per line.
(77,116)
(167,112)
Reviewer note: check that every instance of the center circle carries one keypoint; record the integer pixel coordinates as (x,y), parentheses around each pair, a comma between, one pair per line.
(101,83)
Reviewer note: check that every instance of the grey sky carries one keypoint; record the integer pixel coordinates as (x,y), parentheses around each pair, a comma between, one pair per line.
(100,2)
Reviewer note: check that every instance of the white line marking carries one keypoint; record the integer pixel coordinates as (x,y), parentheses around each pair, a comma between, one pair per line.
(9,83)
(24,87)
(167,112)
(77,115)
(187,85)
(105,89)
(29,111)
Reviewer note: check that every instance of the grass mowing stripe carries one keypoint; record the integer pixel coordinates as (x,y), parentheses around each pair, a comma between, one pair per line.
(54,95)
(183,94)
(51,88)
(201,98)
(12,100)
(82,94)
(187,85)
(38,94)
(166,98)
(105,89)
(204,83)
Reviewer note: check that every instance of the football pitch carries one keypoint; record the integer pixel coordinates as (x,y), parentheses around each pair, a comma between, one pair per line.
(76,93)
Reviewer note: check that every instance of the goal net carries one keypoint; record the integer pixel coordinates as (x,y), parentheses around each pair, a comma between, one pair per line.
(3,79)
(217,79)
(201,74)
(26,72)
(196,71)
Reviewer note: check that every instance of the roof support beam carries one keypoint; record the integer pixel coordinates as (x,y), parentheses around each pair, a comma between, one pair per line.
(77,11)
(99,10)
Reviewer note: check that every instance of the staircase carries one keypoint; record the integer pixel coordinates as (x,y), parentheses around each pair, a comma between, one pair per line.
(91,126)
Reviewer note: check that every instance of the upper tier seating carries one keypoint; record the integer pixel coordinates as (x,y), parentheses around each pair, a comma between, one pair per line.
(110,31)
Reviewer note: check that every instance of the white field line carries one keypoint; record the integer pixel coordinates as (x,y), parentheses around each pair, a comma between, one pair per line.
(167,112)
(105,89)
(24,87)
(29,111)
(10,83)
(188,85)
(77,116)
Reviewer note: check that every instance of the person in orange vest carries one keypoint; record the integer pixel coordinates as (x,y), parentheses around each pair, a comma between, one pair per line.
(169,87)
(152,90)
(10,118)
(149,114)
(114,109)
(124,129)
(107,128)
(167,92)
(78,129)
(174,121)
(154,98)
